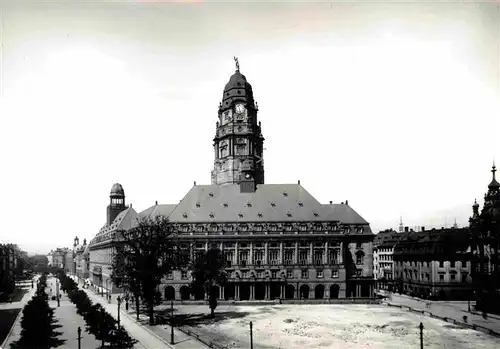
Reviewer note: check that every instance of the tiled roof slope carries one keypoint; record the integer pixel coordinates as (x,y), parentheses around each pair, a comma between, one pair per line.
(123,221)
(269,203)
(343,213)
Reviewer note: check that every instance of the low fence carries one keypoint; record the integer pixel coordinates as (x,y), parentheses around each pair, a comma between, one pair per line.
(447,319)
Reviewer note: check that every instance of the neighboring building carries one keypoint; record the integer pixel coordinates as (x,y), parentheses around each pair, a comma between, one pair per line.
(50,258)
(485,235)
(383,262)
(7,266)
(434,263)
(80,262)
(278,240)
(59,257)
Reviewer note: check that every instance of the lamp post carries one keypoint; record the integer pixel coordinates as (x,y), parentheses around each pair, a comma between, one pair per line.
(172,322)
(126,301)
(421,336)
(57,292)
(251,335)
(118,301)
(79,337)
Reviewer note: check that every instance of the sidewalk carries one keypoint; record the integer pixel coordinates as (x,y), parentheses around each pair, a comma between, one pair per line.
(69,320)
(15,331)
(448,310)
(150,337)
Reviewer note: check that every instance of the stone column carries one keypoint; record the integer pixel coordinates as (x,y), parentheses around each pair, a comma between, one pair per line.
(266,261)
(325,257)
(237,292)
(221,295)
(267,291)
(311,257)
(296,261)
(280,258)
(236,257)
(341,253)
(252,291)
(250,258)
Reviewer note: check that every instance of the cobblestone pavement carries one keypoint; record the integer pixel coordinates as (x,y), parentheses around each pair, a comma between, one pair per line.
(452,310)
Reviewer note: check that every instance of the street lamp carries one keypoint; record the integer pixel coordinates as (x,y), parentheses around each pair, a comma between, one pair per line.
(118,301)
(172,322)
(57,292)
(126,301)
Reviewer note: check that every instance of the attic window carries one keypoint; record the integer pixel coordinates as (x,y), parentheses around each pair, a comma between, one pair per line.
(273,204)
(289,214)
(259,214)
(198,204)
(285,193)
(249,204)
(185,215)
(211,194)
(301,203)
(211,215)
(240,215)
(238,83)
(224,204)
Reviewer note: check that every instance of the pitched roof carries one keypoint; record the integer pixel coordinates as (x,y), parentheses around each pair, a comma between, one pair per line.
(269,203)
(343,213)
(123,221)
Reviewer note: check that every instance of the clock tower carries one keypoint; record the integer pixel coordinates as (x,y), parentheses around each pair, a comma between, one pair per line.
(238,141)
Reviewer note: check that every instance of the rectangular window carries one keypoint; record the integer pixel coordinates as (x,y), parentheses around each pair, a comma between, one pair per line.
(184,274)
(452,277)
(441,277)
(244,274)
(303,256)
(289,256)
(359,272)
(318,257)
(305,273)
(273,256)
(274,274)
(452,264)
(259,274)
(332,257)
(170,275)
(359,258)
(319,273)
(359,245)
(289,273)
(441,264)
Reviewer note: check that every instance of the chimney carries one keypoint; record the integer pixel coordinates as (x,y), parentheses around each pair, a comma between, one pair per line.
(130,205)
(194,183)
(156,203)
(298,182)
(407,229)
(423,228)
(342,203)
(331,202)
(347,202)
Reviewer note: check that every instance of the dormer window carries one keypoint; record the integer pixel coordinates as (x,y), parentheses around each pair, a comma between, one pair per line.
(289,214)
(211,194)
(240,215)
(301,203)
(316,214)
(259,214)
(273,204)
(185,215)
(249,204)
(285,193)
(198,204)
(211,215)
(224,204)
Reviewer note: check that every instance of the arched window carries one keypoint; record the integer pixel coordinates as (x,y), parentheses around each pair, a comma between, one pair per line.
(360,257)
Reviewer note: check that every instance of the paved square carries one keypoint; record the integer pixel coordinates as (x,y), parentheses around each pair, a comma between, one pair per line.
(332,326)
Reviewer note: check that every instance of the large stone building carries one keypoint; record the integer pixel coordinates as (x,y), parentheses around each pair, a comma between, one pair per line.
(383,262)
(278,240)
(485,236)
(434,263)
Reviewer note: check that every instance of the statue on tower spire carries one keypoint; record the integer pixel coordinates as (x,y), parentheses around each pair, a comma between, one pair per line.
(237,64)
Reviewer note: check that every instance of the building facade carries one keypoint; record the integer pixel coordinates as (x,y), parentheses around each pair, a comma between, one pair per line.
(278,240)
(434,264)
(485,236)
(383,258)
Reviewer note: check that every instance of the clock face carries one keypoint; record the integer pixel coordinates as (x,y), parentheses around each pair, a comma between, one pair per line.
(240,108)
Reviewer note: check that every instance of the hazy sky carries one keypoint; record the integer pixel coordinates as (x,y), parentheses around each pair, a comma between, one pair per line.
(393,106)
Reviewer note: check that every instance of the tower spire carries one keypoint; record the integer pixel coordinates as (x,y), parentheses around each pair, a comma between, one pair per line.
(237,64)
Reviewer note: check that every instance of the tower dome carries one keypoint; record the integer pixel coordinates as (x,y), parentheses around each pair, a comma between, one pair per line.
(237,89)
(117,189)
